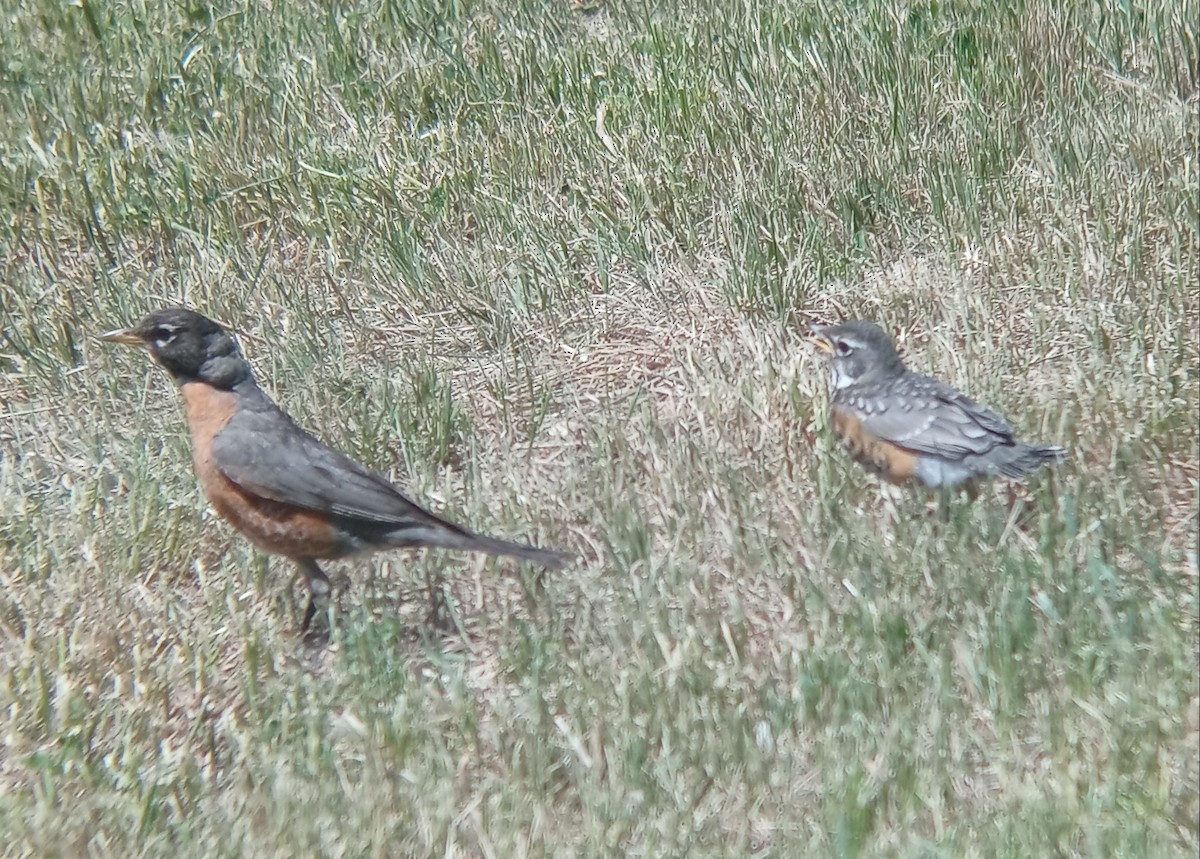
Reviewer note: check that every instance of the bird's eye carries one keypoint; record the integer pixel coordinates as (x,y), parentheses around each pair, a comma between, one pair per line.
(162,335)
(843,348)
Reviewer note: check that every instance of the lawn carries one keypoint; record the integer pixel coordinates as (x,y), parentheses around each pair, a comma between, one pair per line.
(548,265)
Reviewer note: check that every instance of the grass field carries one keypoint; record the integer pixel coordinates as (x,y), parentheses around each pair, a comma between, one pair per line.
(548,265)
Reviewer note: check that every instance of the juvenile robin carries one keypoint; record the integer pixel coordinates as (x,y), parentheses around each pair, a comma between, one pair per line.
(287,492)
(906,426)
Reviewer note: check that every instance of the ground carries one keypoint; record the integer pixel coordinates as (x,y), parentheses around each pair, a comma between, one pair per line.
(548,265)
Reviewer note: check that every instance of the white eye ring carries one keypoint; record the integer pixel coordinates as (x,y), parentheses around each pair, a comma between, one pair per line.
(163,336)
(843,348)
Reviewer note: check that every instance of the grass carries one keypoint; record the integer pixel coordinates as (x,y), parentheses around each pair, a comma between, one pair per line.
(548,265)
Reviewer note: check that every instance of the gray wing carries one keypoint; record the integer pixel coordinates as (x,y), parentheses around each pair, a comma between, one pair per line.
(263,451)
(930,417)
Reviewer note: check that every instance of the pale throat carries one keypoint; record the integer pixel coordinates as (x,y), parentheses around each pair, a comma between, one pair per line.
(840,378)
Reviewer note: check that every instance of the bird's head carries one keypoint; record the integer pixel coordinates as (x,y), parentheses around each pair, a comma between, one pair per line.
(188,345)
(858,351)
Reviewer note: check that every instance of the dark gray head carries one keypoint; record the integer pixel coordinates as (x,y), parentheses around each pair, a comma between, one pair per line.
(859,351)
(189,346)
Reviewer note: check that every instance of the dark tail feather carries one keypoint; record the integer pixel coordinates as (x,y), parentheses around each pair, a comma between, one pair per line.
(1026,459)
(548,558)
(446,536)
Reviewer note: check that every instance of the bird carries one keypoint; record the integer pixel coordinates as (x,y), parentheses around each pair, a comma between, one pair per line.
(908,427)
(275,482)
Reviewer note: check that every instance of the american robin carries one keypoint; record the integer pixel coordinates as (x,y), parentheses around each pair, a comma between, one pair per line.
(906,426)
(276,483)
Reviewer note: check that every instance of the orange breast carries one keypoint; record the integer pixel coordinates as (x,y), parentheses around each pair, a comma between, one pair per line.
(892,462)
(276,527)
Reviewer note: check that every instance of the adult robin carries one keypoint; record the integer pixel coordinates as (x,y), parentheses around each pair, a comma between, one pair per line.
(276,483)
(906,426)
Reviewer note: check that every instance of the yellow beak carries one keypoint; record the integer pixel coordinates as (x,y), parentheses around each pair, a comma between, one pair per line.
(125,336)
(819,339)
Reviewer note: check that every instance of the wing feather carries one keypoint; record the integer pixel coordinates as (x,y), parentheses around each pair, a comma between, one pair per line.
(936,420)
(262,450)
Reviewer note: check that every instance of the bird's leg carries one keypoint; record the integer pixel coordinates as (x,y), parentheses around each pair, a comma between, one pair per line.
(944,505)
(318,588)
(441,612)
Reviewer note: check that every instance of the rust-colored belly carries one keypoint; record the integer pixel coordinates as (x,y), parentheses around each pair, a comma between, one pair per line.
(886,459)
(273,526)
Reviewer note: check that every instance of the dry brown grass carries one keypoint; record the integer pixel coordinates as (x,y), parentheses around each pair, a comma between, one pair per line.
(551,273)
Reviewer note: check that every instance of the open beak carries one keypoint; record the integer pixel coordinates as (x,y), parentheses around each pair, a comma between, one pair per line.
(820,339)
(124,336)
